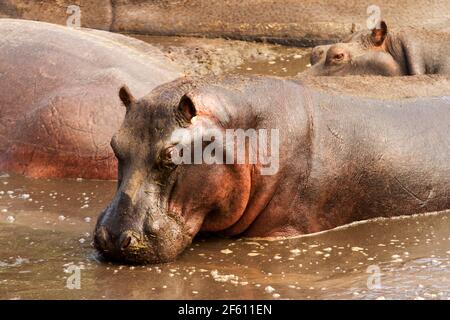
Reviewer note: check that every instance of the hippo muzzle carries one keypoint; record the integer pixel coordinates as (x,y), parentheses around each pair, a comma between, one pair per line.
(138,235)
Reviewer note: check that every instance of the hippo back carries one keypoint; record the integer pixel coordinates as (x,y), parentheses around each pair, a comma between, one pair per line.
(59,102)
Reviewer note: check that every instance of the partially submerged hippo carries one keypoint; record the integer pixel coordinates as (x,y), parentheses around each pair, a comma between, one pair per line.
(379,52)
(342,158)
(58,98)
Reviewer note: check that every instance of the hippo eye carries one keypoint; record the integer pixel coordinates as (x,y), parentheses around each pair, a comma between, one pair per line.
(338,56)
(171,152)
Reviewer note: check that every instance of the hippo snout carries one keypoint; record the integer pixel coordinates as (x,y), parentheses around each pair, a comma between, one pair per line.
(101,238)
(128,246)
(129,240)
(157,238)
(318,53)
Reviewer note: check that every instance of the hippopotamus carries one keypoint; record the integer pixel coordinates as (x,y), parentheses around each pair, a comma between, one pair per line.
(58,103)
(379,52)
(338,158)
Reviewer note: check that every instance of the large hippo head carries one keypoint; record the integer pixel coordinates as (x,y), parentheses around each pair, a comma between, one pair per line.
(362,53)
(159,206)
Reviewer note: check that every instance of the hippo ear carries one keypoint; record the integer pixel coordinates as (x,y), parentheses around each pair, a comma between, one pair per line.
(187,108)
(379,34)
(126,96)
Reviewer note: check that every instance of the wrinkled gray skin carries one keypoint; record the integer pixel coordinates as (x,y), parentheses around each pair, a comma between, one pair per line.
(342,158)
(379,52)
(58,96)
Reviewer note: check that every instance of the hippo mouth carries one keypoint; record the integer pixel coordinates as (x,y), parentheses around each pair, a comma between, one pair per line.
(129,249)
(160,240)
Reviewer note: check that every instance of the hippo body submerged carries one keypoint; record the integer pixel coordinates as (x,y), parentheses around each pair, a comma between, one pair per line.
(408,51)
(342,158)
(58,98)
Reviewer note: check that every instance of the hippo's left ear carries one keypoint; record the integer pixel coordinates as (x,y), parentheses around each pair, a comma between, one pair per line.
(378,35)
(187,108)
(126,97)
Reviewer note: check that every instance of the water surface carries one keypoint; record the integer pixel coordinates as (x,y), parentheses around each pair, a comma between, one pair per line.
(46,227)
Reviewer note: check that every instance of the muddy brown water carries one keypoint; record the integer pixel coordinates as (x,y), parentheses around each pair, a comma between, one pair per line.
(46,227)
(201,56)
(46,233)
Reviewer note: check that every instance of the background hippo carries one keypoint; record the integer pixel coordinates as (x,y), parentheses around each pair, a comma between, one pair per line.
(405,52)
(58,102)
(342,158)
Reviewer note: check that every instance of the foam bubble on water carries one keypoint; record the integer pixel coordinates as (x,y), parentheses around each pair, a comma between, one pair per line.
(61,218)
(269,289)
(10,219)
(226,251)
(253,254)
(18,261)
(224,277)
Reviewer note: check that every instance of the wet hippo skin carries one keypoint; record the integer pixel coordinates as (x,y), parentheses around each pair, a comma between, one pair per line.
(342,158)
(58,98)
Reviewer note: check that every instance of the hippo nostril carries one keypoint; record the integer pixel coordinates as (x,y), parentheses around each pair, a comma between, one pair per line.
(127,239)
(125,243)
